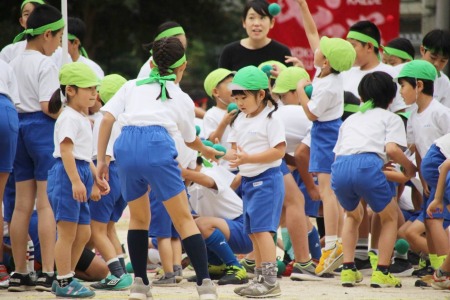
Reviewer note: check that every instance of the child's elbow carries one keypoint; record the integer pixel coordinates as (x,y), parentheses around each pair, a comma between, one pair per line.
(392,149)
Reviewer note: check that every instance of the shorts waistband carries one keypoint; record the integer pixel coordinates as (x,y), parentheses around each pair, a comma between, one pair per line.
(78,162)
(266,172)
(144,129)
(359,155)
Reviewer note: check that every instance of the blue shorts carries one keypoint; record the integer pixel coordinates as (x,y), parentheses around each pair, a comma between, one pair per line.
(430,164)
(262,197)
(35,146)
(311,207)
(9,198)
(323,139)
(146,156)
(284,168)
(393,186)
(59,190)
(239,242)
(9,131)
(110,206)
(161,225)
(360,176)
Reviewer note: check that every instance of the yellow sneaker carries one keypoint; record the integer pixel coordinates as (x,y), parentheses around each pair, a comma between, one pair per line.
(350,277)
(379,279)
(330,260)
(373,257)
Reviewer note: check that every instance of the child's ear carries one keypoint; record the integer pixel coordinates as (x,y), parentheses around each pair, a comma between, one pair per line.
(422,50)
(419,85)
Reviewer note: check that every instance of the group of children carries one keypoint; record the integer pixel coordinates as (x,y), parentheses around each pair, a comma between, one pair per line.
(275,148)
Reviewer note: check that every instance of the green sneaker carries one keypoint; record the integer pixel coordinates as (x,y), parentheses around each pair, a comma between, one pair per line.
(379,280)
(373,257)
(350,277)
(235,275)
(217,269)
(249,267)
(113,283)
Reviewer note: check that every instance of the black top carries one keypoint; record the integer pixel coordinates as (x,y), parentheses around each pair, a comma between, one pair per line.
(235,56)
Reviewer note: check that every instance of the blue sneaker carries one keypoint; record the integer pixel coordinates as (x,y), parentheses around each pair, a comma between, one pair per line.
(74,290)
(113,283)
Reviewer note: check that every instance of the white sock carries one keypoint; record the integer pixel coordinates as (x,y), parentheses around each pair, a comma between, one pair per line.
(330,241)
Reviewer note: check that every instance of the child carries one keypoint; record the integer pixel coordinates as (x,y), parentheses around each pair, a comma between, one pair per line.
(325,109)
(37,77)
(147,134)
(105,213)
(365,139)
(398,52)
(70,181)
(258,140)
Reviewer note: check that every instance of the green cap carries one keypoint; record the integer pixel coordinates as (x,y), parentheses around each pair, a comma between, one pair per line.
(288,79)
(214,78)
(418,69)
(31,1)
(339,53)
(249,78)
(78,74)
(109,86)
(270,63)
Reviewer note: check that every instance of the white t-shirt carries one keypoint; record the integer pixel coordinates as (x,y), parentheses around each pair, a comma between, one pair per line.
(93,65)
(307,139)
(77,127)
(115,132)
(255,135)
(444,145)
(296,124)
(37,78)
(370,132)
(353,77)
(220,203)
(442,89)
(327,99)
(137,106)
(186,156)
(145,70)
(8,83)
(429,125)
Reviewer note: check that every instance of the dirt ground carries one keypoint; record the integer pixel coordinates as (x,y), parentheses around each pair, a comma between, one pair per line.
(329,289)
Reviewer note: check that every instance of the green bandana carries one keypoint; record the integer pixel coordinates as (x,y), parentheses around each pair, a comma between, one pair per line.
(368,105)
(31,1)
(351,108)
(72,37)
(175,64)
(362,38)
(170,32)
(40,30)
(162,80)
(396,52)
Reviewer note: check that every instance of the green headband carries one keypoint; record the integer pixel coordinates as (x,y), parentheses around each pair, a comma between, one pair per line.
(31,1)
(175,64)
(397,52)
(368,105)
(170,32)
(362,38)
(351,108)
(72,37)
(40,30)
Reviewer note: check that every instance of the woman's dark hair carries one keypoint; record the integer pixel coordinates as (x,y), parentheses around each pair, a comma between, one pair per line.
(378,87)
(166,52)
(428,85)
(437,41)
(267,98)
(404,45)
(55,103)
(369,29)
(261,7)
(43,15)
(77,27)
(164,26)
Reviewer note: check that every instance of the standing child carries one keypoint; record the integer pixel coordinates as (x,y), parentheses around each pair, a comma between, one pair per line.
(70,181)
(258,140)
(152,111)
(325,109)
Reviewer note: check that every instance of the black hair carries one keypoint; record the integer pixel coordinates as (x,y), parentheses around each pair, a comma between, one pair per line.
(166,52)
(437,41)
(267,98)
(77,27)
(378,87)
(404,45)
(55,103)
(428,85)
(41,16)
(261,7)
(163,27)
(199,160)
(370,29)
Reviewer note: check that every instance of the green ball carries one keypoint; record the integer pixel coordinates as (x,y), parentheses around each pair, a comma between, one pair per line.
(197,130)
(309,90)
(220,148)
(208,143)
(402,246)
(232,106)
(281,267)
(274,9)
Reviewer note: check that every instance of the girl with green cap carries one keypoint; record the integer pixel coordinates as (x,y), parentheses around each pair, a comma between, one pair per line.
(37,77)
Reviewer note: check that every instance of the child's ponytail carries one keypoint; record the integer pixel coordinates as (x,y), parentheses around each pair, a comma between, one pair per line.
(55,103)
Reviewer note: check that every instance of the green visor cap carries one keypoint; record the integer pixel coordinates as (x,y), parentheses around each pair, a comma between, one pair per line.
(418,69)
(31,1)
(214,78)
(339,52)
(78,74)
(249,78)
(109,86)
(270,63)
(288,79)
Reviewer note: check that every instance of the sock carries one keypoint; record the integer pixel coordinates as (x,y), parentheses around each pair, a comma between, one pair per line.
(374,251)
(434,261)
(383,269)
(330,241)
(441,273)
(402,256)
(196,250)
(121,259)
(269,272)
(64,280)
(304,264)
(50,274)
(30,256)
(137,246)
(169,274)
(441,259)
(287,243)
(177,269)
(258,271)
(115,267)
(217,243)
(314,243)
(362,247)
(349,266)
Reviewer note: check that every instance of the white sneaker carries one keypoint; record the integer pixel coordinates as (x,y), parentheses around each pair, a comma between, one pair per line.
(208,290)
(140,291)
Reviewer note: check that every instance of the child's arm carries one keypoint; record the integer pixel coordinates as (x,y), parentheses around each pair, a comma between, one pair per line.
(78,188)
(310,26)
(437,204)
(236,182)
(395,176)
(207,152)
(267,156)
(103,139)
(304,98)
(426,190)
(397,155)
(199,178)
(226,120)
(302,162)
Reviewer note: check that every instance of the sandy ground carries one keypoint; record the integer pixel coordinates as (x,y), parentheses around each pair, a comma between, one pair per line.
(329,289)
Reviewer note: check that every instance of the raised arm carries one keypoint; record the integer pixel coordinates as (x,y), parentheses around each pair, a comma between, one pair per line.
(310,26)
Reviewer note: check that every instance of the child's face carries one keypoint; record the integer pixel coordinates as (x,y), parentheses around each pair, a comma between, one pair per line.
(52,42)
(408,93)
(319,58)
(289,98)
(361,52)
(26,11)
(257,26)
(249,104)
(439,61)
(83,98)
(391,60)
(222,91)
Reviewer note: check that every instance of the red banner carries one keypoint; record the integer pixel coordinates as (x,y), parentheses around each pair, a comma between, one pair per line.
(333,18)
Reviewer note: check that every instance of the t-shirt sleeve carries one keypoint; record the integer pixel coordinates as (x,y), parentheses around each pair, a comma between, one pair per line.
(275,131)
(68,127)
(116,105)
(410,133)
(186,122)
(209,124)
(48,80)
(395,131)
(320,101)
(232,138)
(444,121)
